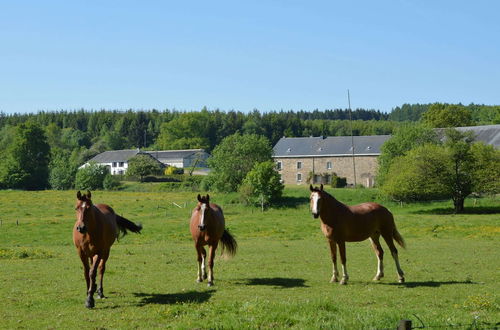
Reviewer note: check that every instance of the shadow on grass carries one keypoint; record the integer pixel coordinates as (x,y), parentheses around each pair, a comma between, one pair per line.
(467,210)
(428,284)
(174,298)
(278,282)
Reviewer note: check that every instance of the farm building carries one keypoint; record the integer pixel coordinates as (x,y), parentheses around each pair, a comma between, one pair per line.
(315,159)
(117,160)
(306,160)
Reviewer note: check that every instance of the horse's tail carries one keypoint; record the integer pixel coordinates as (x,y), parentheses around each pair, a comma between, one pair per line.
(124,224)
(398,238)
(229,244)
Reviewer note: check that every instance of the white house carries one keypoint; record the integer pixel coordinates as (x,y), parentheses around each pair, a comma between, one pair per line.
(117,160)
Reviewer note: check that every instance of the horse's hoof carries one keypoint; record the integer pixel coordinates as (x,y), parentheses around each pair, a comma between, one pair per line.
(89,303)
(210,284)
(401,280)
(343,282)
(101,296)
(333,280)
(199,280)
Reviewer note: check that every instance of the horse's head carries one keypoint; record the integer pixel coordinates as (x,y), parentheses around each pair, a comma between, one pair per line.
(83,205)
(316,200)
(203,205)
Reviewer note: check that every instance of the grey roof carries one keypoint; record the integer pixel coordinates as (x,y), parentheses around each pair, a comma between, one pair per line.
(115,156)
(174,154)
(489,134)
(329,146)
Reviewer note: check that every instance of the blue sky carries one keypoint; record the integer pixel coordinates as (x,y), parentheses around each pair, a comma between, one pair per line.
(245,55)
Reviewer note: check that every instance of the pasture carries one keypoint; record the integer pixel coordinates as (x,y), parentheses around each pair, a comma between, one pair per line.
(279,277)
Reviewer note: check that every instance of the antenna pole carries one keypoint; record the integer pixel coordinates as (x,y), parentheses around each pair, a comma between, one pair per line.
(352,138)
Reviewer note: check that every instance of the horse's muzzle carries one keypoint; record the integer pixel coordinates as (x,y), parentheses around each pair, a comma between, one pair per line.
(202,227)
(81,229)
(315,215)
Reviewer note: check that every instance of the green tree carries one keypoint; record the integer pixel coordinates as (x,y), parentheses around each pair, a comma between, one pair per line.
(404,139)
(26,159)
(234,157)
(452,170)
(487,168)
(188,131)
(143,165)
(262,184)
(62,170)
(91,177)
(442,115)
(419,175)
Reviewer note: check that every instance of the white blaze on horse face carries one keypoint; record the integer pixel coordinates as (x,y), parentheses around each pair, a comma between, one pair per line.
(314,201)
(202,209)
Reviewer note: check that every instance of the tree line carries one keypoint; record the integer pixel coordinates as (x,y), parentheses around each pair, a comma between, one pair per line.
(45,149)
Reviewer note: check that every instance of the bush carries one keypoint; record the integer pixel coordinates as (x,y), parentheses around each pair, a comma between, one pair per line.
(262,184)
(338,182)
(91,177)
(173,170)
(111,182)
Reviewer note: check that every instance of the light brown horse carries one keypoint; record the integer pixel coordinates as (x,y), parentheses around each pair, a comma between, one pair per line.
(207,228)
(341,223)
(95,230)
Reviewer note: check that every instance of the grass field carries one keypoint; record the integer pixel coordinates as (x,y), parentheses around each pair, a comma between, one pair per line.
(279,277)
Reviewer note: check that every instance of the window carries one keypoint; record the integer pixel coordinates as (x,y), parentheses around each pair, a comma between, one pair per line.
(299,177)
(114,164)
(299,165)
(328,165)
(279,166)
(121,164)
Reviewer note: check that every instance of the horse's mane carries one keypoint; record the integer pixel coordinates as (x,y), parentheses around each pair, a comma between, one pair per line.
(330,198)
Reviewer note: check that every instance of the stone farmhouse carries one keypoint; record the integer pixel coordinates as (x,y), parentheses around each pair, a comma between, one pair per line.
(307,160)
(314,159)
(117,160)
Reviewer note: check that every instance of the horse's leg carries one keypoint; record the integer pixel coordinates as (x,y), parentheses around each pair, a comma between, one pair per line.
(200,251)
(102,269)
(86,268)
(394,252)
(203,259)
(343,259)
(379,252)
(211,256)
(333,251)
(93,272)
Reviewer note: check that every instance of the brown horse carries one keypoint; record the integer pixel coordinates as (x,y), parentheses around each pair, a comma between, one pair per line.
(95,230)
(207,228)
(341,223)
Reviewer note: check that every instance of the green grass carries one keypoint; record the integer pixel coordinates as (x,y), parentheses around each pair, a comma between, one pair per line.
(278,279)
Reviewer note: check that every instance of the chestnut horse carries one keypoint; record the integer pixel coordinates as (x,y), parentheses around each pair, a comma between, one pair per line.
(207,228)
(95,230)
(341,223)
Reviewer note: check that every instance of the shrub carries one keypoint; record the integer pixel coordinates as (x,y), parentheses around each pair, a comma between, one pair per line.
(111,182)
(91,177)
(338,182)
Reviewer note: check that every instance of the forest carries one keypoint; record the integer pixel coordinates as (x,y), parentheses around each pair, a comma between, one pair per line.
(73,137)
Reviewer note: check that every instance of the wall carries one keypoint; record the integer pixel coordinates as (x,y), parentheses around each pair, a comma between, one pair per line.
(366,168)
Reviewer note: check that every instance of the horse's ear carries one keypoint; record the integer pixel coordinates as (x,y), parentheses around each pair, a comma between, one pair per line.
(88,194)
(208,198)
(199,198)
(311,187)
(321,187)
(79,195)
